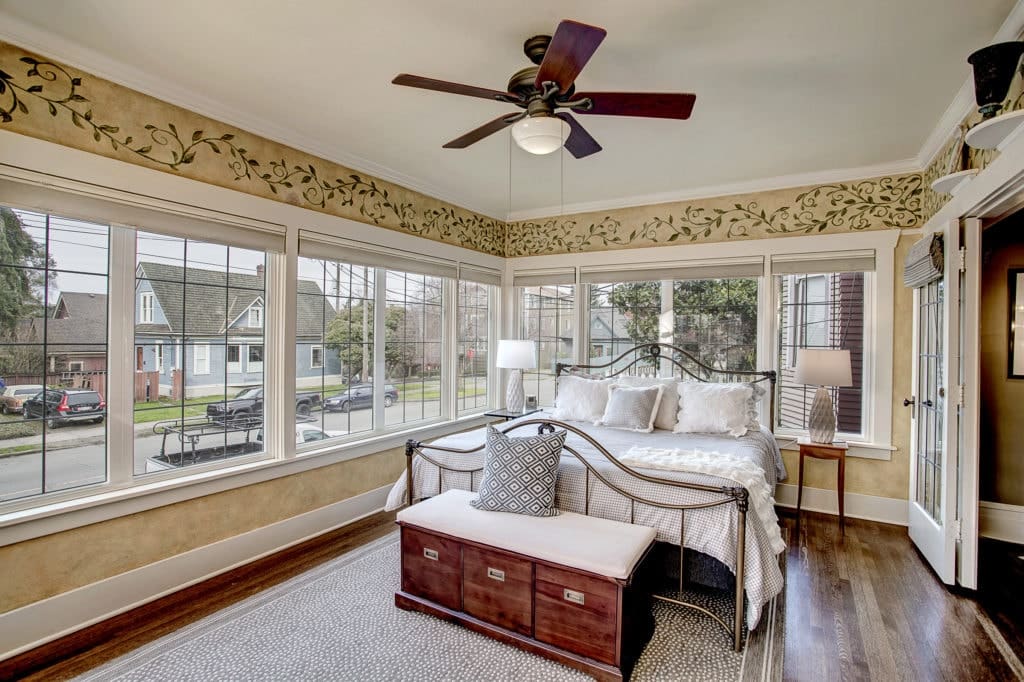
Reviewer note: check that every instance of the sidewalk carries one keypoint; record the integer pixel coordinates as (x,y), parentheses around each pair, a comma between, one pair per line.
(69,436)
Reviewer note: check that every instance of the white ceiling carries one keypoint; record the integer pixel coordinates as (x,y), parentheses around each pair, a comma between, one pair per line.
(787,87)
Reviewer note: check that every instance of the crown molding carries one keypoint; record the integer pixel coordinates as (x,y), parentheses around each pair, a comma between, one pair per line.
(1012,28)
(726,189)
(31,37)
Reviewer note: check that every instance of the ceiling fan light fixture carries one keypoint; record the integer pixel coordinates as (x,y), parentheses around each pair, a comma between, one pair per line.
(540,134)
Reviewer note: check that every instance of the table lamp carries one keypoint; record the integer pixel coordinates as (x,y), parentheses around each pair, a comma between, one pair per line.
(823,367)
(517,356)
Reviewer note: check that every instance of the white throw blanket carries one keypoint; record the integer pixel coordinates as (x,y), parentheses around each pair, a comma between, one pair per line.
(723,465)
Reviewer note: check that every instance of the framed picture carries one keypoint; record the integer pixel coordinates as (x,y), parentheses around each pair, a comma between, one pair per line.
(1015,354)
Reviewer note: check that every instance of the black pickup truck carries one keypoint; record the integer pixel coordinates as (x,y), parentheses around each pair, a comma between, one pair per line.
(249,403)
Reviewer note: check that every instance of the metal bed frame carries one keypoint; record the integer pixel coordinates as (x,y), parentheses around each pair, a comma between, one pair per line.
(649,355)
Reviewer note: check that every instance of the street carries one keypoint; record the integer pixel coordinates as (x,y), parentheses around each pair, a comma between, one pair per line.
(68,465)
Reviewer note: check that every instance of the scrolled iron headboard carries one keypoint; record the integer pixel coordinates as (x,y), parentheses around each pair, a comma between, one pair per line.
(652,354)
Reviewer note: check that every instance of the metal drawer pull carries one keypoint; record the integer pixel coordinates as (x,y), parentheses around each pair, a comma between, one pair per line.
(495,574)
(573,596)
(430,553)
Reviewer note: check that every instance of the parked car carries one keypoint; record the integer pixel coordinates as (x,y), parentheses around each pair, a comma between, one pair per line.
(12,397)
(359,395)
(248,403)
(307,433)
(64,406)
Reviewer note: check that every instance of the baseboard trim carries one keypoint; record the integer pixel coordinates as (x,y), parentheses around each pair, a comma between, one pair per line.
(44,621)
(1001,521)
(858,506)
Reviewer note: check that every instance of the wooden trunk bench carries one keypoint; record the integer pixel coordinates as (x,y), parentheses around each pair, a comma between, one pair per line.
(567,587)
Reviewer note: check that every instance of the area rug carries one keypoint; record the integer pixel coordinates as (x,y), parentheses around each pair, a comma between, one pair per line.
(339,622)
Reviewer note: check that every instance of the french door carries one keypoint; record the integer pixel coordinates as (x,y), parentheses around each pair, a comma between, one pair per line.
(933,511)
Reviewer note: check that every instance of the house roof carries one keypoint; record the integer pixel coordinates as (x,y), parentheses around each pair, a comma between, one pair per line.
(199,302)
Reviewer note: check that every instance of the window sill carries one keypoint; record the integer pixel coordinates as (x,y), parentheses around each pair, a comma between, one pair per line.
(55,517)
(860,449)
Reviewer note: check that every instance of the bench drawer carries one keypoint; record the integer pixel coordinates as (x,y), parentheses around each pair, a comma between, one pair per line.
(498,588)
(577,613)
(432,567)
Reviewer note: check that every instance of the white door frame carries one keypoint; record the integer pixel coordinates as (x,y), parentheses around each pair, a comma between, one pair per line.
(994,193)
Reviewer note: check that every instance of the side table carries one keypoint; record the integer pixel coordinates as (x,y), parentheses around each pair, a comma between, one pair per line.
(836,451)
(506,414)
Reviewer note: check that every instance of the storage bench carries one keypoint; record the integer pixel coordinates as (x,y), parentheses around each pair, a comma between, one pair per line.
(567,587)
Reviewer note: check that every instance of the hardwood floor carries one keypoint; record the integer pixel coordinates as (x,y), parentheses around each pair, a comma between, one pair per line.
(861,607)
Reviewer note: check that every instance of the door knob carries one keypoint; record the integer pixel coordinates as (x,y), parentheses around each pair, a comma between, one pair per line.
(907,402)
(928,403)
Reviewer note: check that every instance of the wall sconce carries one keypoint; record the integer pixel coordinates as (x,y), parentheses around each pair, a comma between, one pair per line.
(994,67)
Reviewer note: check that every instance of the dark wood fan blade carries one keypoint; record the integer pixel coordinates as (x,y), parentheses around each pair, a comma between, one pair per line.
(454,88)
(579,143)
(676,105)
(570,49)
(489,128)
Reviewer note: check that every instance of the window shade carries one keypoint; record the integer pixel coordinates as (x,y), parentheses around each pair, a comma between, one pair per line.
(315,245)
(480,275)
(535,278)
(810,263)
(925,262)
(725,269)
(175,219)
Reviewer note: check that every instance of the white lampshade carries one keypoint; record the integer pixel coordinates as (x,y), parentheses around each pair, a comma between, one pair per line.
(540,134)
(823,367)
(514,354)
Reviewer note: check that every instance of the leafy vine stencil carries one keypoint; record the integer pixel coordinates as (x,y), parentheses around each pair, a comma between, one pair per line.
(53,86)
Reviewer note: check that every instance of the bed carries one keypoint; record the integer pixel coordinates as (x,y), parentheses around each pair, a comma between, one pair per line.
(694,511)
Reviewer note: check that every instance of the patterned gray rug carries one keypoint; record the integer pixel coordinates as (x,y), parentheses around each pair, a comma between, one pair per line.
(339,622)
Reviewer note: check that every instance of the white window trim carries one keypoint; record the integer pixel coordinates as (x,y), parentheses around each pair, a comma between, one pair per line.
(256,317)
(233,367)
(251,366)
(158,354)
(205,359)
(312,354)
(146,304)
(878,330)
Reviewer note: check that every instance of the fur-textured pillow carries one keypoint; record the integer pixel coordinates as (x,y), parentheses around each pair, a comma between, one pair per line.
(668,408)
(520,473)
(580,400)
(633,408)
(715,408)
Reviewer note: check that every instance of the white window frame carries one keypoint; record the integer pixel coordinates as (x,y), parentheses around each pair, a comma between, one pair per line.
(146,307)
(233,367)
(876,441)
(256,317)
(252,367)
(312,354)
(72,363)
(158,355)
(203,358)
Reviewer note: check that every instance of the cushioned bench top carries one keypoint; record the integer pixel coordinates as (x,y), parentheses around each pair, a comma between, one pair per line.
(586,543)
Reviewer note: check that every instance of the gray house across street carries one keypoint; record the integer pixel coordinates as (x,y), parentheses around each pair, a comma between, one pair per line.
(208,325)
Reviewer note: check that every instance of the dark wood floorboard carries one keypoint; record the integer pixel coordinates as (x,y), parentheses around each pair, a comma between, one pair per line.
(863,607)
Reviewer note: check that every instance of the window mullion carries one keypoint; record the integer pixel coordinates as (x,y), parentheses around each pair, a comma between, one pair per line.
(121,357)
(449,348)
(379,331)
(279,333)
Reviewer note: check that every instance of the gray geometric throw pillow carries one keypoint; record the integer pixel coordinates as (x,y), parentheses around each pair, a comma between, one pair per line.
(520,473)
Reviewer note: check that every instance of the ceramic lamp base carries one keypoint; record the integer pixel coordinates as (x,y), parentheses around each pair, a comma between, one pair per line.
(515,399)
(821,423)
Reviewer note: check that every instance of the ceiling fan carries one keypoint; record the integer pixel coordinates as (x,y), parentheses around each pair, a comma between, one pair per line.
(540,90)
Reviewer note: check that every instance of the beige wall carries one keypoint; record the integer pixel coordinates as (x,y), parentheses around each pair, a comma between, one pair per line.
(1002,399)
(869,476)
(49,565)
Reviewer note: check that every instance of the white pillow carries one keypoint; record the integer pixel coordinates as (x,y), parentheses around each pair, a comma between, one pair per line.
(632,407)
(580,400)
(668,409)
(715,408)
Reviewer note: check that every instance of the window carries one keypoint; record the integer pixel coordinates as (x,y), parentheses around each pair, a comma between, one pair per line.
(207,410)
(621,316)
(547,318)
(53,333)
(256,317)
(146,308)
(158,352)
(334,345)
(254,364)
(473,315)
(234,358)
(412,346)
(201,359)
(821,310)
(716,321)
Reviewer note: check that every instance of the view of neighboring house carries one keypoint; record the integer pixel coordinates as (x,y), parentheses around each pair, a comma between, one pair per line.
(76,334)
(209,328)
